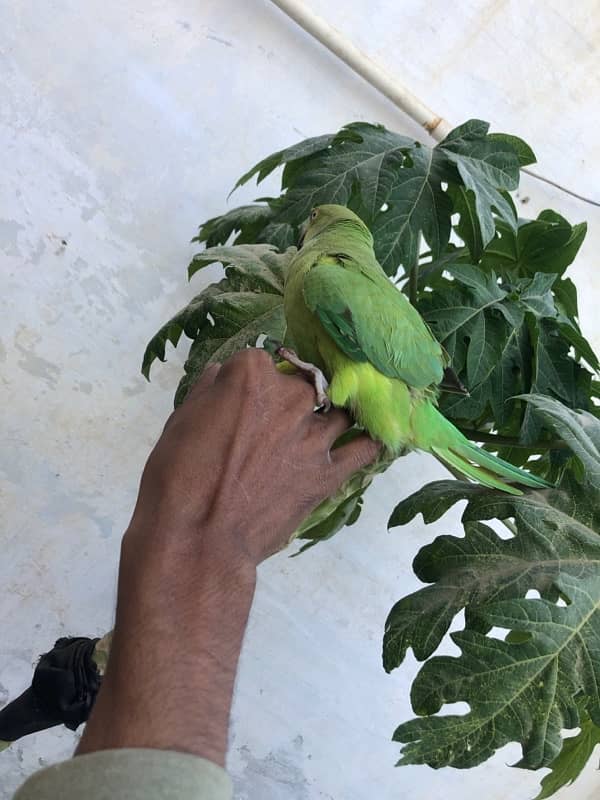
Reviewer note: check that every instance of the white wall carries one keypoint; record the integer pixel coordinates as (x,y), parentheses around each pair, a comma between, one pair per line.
(123,125)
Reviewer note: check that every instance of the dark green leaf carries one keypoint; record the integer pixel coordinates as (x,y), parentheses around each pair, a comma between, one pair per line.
(248,297)
(554,373)
(248,266)
(341,514)
(579,429)
(468,225)
(480,322)
(511,376)
(280,234)
(570,331)
(239,319)
(481,318)
(469,131)
(536,294)
(344,507)
(429,271)
(455,308)
(525,688)
(248,221)
(305,148)
(565,292)
(472,407)
(417,205)
(189,319)
(486,166)
(516,691)
(366,166)
(368,156)
(547,244)
(553,243)
(432,501)
(488,337)
(574,755)
(524,153)
(480,567)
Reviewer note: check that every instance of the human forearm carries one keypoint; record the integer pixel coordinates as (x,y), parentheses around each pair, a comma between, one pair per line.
(174,654)
(240,464)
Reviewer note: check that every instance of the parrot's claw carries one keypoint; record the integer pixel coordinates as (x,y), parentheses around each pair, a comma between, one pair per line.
(314,375)
(323,402)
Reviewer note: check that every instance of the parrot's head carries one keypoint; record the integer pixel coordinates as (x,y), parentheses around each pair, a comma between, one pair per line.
(324,218)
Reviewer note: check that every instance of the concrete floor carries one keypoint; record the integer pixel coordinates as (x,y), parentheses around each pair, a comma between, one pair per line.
(122,126)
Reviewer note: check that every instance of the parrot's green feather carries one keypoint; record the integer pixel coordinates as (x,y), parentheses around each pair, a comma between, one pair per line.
(370,320)
(345,316)
(483,476)
(500,467)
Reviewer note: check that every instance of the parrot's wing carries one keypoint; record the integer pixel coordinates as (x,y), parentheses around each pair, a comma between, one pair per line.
(370,320)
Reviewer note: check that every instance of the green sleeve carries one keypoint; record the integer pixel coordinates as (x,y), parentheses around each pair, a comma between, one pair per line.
(134,774)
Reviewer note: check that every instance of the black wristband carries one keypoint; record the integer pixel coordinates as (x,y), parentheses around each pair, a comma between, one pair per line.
(63,690)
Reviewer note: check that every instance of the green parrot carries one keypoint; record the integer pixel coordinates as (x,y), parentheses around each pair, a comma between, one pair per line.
(367,349)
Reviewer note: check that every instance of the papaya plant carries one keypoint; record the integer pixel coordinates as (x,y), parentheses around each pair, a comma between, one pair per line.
(493,289)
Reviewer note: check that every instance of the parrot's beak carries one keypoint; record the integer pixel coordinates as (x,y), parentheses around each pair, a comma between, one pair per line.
(303,228)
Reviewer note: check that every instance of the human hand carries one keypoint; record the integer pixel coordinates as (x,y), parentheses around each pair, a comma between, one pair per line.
(238,466)
(245,459)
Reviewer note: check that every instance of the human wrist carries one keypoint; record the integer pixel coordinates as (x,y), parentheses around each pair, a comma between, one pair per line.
(179,627)
(177,543)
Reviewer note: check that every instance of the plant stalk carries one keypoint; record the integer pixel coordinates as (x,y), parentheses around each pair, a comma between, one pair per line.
(413,285)
(413,277)
(511,441)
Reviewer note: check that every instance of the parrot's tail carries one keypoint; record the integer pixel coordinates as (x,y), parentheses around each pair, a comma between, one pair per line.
(439,436)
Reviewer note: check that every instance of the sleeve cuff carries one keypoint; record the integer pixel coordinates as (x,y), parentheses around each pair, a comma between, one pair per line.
(135,774)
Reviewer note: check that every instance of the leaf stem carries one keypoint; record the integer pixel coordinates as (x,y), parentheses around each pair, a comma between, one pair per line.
(413,278)
(413,284)
(511,441)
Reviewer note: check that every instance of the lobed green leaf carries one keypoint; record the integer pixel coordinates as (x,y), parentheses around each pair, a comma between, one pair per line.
(228,315)
(396,184)
(301,150)
(572,758)
(486,167)
(247,221)
(546,244)
(546,672)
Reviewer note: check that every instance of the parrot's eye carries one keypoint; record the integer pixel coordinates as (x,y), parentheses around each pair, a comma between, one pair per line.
(314,214)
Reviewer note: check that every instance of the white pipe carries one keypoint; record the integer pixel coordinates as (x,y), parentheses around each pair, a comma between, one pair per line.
(357,60)
(333,40)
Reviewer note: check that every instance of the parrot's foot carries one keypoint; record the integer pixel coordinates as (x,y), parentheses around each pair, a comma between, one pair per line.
(314,375)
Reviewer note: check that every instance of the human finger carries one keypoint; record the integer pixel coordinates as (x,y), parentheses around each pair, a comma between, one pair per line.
(352,457)
(332,424)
